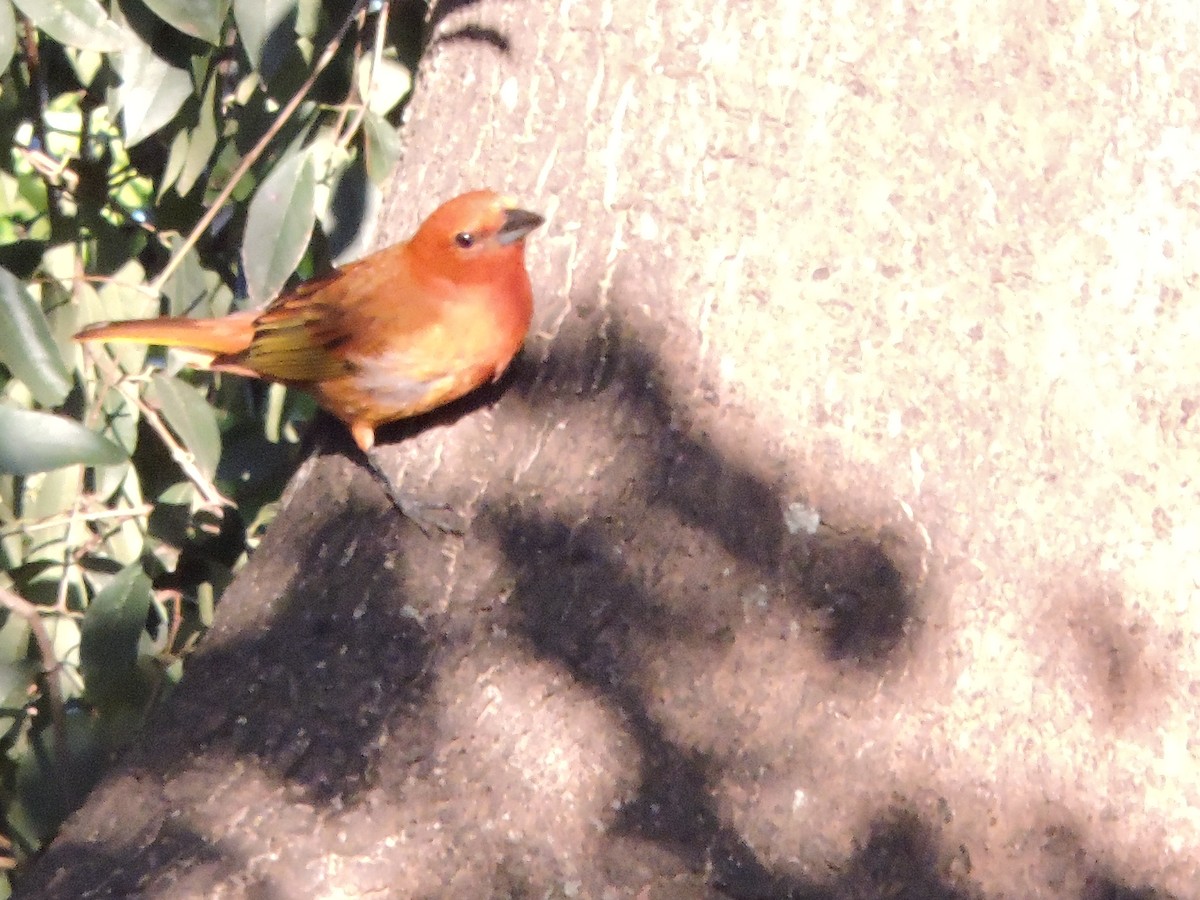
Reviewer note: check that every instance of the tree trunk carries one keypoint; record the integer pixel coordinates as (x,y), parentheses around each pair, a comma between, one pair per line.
(836,535)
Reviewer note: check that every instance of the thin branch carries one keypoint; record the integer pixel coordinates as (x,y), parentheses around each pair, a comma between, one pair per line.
(122,281)
(211,497)
(175,623)
(360,109)
(129,512)
(252,157)
(50,667)
(39,99)
(50,168)
(69,558)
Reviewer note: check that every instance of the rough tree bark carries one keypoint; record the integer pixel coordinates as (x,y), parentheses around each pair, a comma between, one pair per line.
(837,535)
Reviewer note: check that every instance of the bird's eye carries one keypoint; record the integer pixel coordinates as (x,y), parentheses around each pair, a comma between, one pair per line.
(465,239)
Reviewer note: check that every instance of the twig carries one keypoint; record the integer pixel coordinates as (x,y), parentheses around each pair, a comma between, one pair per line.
(50,667)
(39,99)
(69,558)
(252,157)
(129,512)
(176,621)
(96,279)
(212,498)
(360,109)
(49,167)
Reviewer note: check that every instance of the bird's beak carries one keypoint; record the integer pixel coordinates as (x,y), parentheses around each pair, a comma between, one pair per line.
(517,224)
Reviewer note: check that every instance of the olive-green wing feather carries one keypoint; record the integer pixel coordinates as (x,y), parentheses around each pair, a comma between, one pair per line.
(296,338)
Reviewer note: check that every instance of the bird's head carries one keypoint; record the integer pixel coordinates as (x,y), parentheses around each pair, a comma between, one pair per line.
(478,236)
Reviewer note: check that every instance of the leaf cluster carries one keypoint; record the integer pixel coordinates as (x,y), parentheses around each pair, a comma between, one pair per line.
(181,157)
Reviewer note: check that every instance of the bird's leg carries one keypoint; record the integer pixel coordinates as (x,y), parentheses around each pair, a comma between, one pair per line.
(426,516)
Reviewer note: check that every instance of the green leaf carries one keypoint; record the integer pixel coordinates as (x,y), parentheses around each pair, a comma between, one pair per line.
(46,496)
(64,643)
(191,418)
(49,496)
(108,649)
(120,426)
(383,82)
(120,298)
(382,146)
(273,414)
(45,792)
(354,202)
(182,493)
(18,673)
(194,290)
(202,140)
(76,23)
(121,419)
(278,226)
(308,18)
(198,18)
(176,157)
(23,196)
(17,678)
(32,441)
(261,23)
(14,649)
(26,346)
(8,34)
(151,90)
(124,539)
(187,287)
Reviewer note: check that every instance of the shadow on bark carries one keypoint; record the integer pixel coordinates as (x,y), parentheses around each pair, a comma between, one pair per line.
(422,18)
(578,603)
(123,871)
(335,665)
(1104,887)
(301,687)
(307,681)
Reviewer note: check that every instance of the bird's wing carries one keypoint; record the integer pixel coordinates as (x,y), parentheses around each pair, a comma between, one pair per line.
(297,337)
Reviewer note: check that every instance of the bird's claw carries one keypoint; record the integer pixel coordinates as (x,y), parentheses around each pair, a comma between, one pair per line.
(431,517)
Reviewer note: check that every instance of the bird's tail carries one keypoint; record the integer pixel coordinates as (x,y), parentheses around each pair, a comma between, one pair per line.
(225,336)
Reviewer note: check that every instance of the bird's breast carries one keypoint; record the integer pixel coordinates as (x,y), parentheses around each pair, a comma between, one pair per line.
(415,363)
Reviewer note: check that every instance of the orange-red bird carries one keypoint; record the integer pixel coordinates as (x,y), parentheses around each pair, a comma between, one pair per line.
(393,335)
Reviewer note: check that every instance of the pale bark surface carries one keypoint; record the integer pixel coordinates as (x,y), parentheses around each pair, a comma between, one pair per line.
(929,272)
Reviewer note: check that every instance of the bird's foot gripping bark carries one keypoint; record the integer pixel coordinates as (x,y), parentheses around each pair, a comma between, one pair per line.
(429,517)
